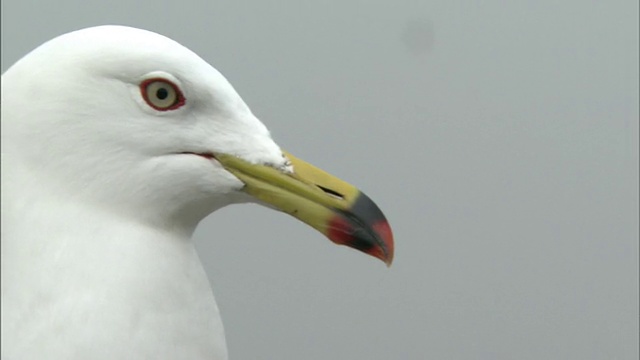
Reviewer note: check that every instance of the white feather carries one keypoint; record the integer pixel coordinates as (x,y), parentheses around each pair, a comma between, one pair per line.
(98,207)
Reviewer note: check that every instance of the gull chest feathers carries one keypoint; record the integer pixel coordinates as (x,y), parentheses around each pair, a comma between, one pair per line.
(116,142)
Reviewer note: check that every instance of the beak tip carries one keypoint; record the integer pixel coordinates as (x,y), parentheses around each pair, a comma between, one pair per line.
(385,241)
(378,242)
(388,261)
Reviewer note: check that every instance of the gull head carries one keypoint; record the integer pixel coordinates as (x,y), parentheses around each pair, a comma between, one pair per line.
(134,123)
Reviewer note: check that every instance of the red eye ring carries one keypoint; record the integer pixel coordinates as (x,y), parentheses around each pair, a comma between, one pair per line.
(161,94)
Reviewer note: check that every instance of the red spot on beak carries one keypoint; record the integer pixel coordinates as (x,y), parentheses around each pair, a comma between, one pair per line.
(376,240)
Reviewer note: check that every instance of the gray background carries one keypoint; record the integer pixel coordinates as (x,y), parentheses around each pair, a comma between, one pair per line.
(500,138)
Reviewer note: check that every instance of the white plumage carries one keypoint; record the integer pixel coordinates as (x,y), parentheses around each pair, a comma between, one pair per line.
(96,229)
(116,142)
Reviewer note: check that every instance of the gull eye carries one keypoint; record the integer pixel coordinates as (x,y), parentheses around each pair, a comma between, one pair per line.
(161,94)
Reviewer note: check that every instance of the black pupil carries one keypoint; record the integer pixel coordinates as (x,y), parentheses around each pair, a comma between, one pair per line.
(162,93)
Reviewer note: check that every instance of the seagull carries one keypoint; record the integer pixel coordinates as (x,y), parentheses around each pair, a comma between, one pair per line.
(116,143)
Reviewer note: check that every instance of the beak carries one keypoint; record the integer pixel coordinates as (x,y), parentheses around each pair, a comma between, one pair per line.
(335,208)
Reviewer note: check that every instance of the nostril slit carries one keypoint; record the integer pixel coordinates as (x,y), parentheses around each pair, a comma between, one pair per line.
(330,192)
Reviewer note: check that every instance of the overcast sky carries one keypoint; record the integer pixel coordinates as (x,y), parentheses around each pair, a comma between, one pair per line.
(499,138)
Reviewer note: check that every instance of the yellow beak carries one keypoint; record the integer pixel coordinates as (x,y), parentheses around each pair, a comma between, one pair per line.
(332,206)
